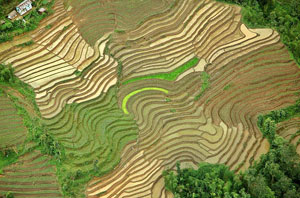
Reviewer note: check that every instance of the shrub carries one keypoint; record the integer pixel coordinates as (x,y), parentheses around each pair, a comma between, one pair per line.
(7,74)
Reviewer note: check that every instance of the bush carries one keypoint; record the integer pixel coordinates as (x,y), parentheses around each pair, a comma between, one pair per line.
(267,123)
(7,74)
(9,195)
(209,180)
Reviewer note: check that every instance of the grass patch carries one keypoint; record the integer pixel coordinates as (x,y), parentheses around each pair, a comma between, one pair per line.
(168,100)
(66,27)
(167,76)
(31,42)
(119,69)
(173,110)
(267,123)
(204,86)
(227,87)
(7,157)
(49,26)
(125,100)
(78,73)
(119,31)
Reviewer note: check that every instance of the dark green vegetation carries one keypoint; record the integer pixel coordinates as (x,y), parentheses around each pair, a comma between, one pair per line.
(210,180)
(6,74)
(281,15)
(93,135)
(167,76)
(26,44)
(267,123)
(9,195)
(227,87)
(7,157)
(6,6)
(48,26)
(275,175)
(32,19)
(78,73)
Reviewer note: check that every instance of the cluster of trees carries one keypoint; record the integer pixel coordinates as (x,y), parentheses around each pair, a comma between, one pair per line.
(50,146)
(73,181)
(275,175)
(7,74)
(6,6)
(7,156)
(282,15)
(9,195)
(267,123)
(12,28)
(209,180)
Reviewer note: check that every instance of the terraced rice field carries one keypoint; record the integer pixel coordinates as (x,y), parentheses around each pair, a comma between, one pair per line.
(113,16)
(50,64)
(220,127)
(290,131)
(129,88)
(31,176)
(12,129)
(93,133)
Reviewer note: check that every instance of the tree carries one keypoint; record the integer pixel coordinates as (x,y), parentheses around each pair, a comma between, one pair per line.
(9,195)
(209,180)
(269,129)
(6,74)
(276,174)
